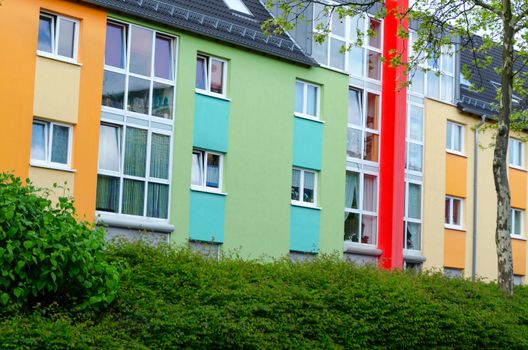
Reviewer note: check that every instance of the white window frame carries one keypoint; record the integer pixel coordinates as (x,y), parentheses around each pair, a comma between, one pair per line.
(450,224)
(409,140)
(408,219)
(513,227)
(203,170)
(301,202)
(55,32)
(304,113)
(452,137)
(514,153)
(48,142)
(207,90)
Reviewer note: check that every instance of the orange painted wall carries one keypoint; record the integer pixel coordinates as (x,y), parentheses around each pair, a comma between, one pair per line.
(455,249)
(518,179)
(456,175)
(519,256)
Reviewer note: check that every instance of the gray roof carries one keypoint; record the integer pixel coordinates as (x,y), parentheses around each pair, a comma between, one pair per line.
(213,19)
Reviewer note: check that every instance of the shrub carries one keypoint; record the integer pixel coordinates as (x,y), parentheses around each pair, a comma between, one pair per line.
(46,255)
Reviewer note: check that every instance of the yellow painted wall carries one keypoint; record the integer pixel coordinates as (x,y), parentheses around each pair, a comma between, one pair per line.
(518,180)
(56,90)
(455,249)
(45,178)
(456,175)
(519,256)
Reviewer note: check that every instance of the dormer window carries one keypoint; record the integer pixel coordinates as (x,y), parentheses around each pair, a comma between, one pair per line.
(238,5)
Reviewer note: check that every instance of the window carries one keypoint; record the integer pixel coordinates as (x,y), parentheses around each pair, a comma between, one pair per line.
(211,74)
(306,100)
(414,159)
(453,212)
(453,273)
(51,144)
(516,155)
(361,207)
(363,126)
(517,222)
(58,36)
(455,138)
(237,5)
(413,216)
(304,187)
(207,169)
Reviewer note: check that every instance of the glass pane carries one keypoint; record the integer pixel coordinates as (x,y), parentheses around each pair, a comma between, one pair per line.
(374,65)
(415,157)
(457,138)
(140,51)
(519,160)
(352,227)
(135,152)
(213,171)
(355,108)
(115,45)
(133,197)
(354,143)
(373,111)
(197,169)
(517,222)
(217,76)
(447,209)
(357,23)
(113,89)
(448,64)
(356,61)
(338,25)
(417,85)
(416,123)
(163,58)
(337,58)
(107,197)
(296,185)
(162,99)
(369,229)
(447,88)
(138,95)
(158,201)
(309,187)
(352,190)
(59,147)
(320,52)
(433,85)
(110,148)
(311,101)
(38,141)
(371,147)
(375,29)
(413,236)
(201,73)
(414,205)
(159,156)
(449,135)
(45,34)
(456,212)
(299,97)
(370,193)
(66,38)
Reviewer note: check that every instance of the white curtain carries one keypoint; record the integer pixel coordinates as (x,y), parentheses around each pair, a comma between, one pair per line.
(370,193)
(196,172)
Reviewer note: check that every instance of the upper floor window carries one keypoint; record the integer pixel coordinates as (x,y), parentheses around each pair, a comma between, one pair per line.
(304,187)
(58,36)
(51,144)
(414,159)
(306,100)
(207,169)
(517,222)
(237,5)
(455,137)
(453,212)
(211,74)
(363,125)
(361,207)
(516,149)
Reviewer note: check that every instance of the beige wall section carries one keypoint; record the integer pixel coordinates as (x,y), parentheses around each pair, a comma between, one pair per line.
(56,90)
(45,178)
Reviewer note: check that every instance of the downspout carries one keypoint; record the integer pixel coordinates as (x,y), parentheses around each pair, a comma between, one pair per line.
(475,183)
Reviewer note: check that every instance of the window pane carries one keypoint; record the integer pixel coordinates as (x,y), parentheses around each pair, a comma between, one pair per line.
(140,51)
(433,85)
(416,123)
(162,99)
(311,100)
(337,58)
(414,205)
(110,148)
(107,198)
(456,212)
(309,187)
(457,138)
(375,39)
(296,185)
(159,156)
(517,222)
(447,218)
(133,197)
(201,73)
(449,135)
(356,61)
(320,52)
(217,76)
(370,193)
(213,171)
(354,141)
(352,227)
(372,111)
(418,82)
(338,25)
(163,58)
(448,61)
(135,152)
(355,108)
(374,65)
(352,190)
(447,88)
(38,141)
(158,201)
(357,23)
(519,161)
(371,147)
(415,157)
(197,169)
(115,45)
(45,34)
(369,229)
(138,95)
(66,38)
(299,97)
(113,89)
(59,147)
(413,236)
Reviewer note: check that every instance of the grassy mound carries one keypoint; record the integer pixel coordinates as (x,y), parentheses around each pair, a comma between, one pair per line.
(174,299)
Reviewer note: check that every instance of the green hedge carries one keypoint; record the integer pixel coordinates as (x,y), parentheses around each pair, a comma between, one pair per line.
(173,299)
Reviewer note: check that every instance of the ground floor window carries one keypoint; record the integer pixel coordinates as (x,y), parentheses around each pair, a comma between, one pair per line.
(361,207)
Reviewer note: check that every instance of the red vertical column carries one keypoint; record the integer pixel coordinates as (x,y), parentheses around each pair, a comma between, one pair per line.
(392,154)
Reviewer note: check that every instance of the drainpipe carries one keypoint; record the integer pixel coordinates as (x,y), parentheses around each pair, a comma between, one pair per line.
(475,183)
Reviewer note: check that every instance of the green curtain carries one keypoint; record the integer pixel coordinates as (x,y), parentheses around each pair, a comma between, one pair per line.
(159,156)
(59,148)
(135,152)
(107,197)
(158,201)
(133,197)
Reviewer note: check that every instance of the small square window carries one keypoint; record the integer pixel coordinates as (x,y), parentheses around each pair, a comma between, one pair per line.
(51,144)
(306,100)
(455,137)
(207,170)
(304,187)
(58,36)
(453,212)
(211,74)
(516,153)
(238,5)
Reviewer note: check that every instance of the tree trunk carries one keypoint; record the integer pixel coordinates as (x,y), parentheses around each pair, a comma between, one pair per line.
(500,165)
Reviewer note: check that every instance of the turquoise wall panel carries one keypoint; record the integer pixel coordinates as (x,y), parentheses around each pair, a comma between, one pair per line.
(307,143)
(210,123)
(207,217)
(304,229)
